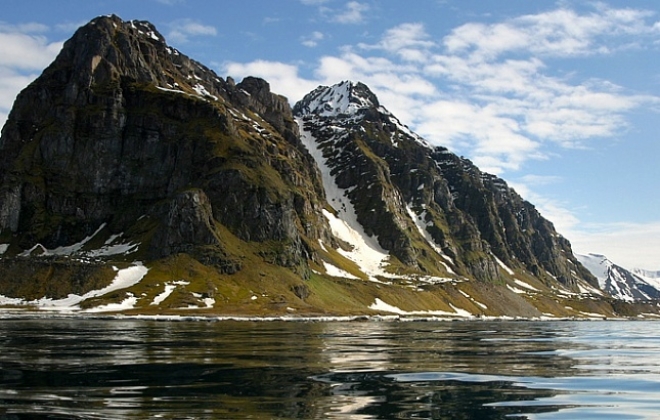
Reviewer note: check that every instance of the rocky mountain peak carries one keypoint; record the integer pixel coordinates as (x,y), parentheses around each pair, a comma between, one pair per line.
(346,98)
(619,282)
(108,51)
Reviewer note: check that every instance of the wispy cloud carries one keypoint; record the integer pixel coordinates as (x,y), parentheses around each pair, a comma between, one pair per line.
(352,13)
(183,29)
(313,2)
(69,27)
(561,32)
(313,39)
(24,28)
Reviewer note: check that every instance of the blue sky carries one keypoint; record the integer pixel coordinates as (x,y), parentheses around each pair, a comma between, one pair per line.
(559,98)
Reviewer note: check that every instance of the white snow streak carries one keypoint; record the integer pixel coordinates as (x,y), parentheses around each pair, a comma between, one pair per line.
(124,278)
(169,288)
(379,305)
(504,266)
(366,252)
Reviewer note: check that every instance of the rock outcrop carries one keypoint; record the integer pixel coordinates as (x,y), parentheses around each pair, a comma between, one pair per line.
(122,127)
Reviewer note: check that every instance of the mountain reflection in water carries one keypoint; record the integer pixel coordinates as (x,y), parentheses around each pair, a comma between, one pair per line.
(134,369)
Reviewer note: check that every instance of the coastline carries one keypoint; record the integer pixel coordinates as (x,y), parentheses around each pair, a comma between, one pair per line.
(21,314)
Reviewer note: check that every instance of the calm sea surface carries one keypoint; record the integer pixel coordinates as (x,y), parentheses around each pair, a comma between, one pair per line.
(138,369)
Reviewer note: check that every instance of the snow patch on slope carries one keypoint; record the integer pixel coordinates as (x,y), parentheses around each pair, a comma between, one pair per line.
(124,278)
(382,306)
(597,265)
(366,252)
(111,247)
(169,288)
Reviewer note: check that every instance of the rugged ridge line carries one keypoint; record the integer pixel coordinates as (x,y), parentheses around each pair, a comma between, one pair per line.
(471,219)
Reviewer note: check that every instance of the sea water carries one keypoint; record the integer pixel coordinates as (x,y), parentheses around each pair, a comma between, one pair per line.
(75,368)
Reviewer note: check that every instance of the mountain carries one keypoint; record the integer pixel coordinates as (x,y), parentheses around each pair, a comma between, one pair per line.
(135,179)
(426,205)
(620,283)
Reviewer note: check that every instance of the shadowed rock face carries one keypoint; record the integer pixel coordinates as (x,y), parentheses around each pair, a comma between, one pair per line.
(121,127)
(125,131)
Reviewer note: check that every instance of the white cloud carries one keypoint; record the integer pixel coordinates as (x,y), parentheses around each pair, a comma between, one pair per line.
(467,91)
(26,52)
(283,78)
(353,13)
(22,56)
(560,32)
(25,28)
(313,39)
(409,41)
(183,29)
(630,245)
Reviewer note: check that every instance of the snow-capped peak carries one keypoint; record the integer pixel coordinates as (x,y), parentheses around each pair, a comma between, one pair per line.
(619,282)
(345,98)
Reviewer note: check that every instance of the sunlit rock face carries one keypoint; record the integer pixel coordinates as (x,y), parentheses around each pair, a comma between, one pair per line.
(426,205)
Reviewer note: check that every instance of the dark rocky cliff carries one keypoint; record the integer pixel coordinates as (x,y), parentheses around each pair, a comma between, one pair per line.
(473,217)
(122,129)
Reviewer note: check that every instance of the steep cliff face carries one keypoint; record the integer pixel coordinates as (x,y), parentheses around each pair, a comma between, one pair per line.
(125,131)
(426,204)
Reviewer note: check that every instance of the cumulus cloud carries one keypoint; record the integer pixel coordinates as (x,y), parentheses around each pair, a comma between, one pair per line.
(23,54)
(487,90)
(283,78)
(183,29)
(25,51)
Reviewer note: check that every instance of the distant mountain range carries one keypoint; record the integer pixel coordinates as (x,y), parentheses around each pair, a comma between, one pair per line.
(620,283)
(135,179)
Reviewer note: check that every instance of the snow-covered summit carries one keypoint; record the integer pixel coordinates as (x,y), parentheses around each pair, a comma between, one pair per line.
(345,98)
(619,282)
